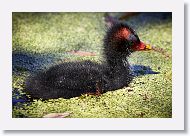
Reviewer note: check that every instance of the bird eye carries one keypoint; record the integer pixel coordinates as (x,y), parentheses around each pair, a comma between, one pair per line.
(131,43)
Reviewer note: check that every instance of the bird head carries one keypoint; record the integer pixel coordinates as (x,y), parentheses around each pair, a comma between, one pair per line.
(123,38)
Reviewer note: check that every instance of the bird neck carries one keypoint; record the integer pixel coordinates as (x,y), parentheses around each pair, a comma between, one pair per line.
(116,61)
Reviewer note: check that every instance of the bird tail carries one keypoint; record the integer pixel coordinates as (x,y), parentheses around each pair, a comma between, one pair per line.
(38,88)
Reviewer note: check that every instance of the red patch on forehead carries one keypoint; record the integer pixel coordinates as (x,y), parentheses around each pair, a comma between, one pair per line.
(123,33)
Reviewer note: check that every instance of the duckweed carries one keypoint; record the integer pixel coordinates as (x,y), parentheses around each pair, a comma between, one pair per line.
(53,35)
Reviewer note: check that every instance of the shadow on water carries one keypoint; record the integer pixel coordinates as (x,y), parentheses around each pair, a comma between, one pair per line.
(139,70)
(32,63)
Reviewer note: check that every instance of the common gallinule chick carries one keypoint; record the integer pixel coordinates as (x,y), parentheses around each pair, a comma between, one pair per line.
(71,79)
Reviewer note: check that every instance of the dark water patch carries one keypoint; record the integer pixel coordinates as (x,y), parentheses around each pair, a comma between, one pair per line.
(18,97)
(144,18)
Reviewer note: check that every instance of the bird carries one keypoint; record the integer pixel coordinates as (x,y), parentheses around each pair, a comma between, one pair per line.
(73,79)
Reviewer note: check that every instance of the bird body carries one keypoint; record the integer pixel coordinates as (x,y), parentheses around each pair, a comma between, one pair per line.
(71,79)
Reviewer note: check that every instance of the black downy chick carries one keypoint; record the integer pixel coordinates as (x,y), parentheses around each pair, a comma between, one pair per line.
(72,79)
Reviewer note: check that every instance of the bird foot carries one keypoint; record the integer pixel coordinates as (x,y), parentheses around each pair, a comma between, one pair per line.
(98,90)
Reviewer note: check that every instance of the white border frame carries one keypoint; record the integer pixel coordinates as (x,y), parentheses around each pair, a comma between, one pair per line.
(174,123)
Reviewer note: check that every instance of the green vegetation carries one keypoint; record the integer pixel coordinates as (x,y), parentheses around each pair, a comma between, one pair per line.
(53,35)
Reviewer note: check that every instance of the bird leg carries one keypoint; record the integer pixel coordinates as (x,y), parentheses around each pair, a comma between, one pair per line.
(98,88)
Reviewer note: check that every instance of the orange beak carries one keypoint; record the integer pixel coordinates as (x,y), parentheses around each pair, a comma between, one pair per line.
(142,46)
